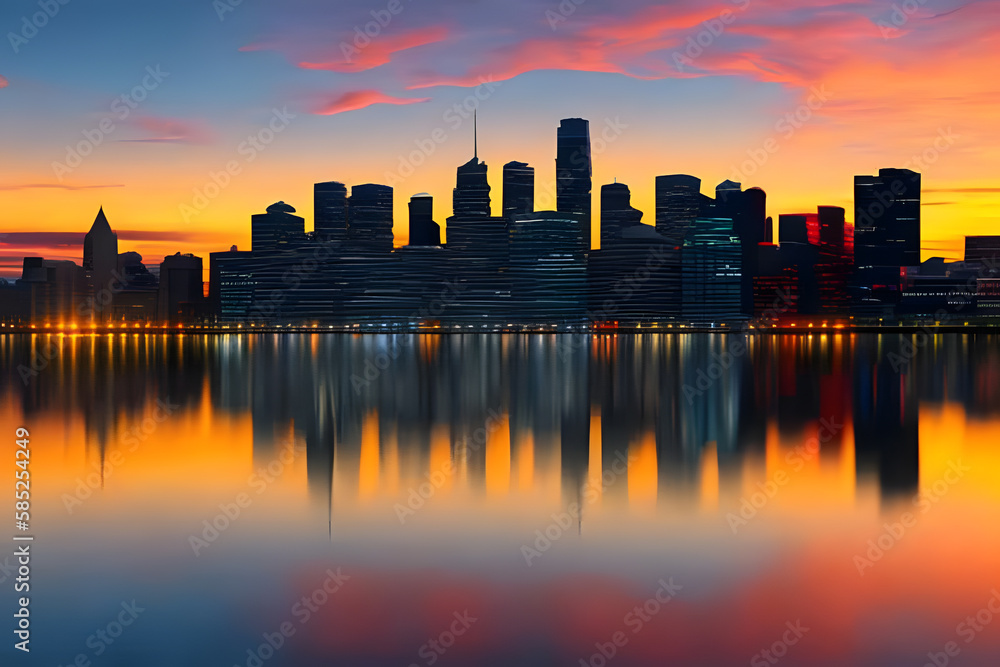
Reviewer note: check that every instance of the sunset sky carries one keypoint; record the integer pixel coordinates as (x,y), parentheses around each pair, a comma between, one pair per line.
(703,88)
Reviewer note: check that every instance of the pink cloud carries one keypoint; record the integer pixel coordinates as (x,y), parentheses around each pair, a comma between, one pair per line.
(349,57)
(170,130)
(360,99)
(4,82)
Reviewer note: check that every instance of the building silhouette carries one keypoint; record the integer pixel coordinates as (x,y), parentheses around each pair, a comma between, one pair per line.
(548,268)
(370,217)
(181,288)
(330,211)
(472,191)
(518,189)
(679,202)
(711,272)
(574,183)
(100,261)
(423,230)
(617,213)
(277,230)
(887,237)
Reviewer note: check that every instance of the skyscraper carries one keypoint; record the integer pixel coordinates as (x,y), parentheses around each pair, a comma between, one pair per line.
(887,218)
(181,293)
(711,272)
(370,217)
(277,230)
(330,211)
(574,182)
(100,259)
(617,213)
(678,205)
(423,230)
(518,189)
(548,268)
(472,191)
(887,236)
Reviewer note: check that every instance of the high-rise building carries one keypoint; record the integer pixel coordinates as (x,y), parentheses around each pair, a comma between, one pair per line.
(836,261)
(518,189)
(678,205)
(472,191)
(887,237)
(574,183)
(231,285)
(617,213)
(330,211)
(423,230)
(548,268)
(711,273)
(887,218)
(983,249)
(277,230)
(100,259)
(370,217)
(181,288)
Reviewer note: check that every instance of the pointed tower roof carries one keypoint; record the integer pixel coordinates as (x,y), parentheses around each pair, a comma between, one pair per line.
(100,223)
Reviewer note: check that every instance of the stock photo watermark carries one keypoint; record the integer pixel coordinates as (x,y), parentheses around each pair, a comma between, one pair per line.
(132,438)
(971,627)
(773,654)
(633,623)
(894,532)
(230,512)
(711,30)
(248,150)
(545,538)
(121,108)
(417,496)
(302,611)
(796,459)
(30,25)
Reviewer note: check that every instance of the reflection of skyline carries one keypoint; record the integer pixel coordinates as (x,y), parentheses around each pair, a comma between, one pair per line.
(567,404)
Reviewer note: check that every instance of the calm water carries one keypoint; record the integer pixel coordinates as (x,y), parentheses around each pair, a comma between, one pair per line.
(509,500)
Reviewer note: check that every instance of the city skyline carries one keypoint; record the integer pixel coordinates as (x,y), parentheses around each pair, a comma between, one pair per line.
(814,85)
(702,261)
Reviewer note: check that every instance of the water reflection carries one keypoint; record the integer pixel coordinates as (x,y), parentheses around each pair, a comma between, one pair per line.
(753,469)
(694,415)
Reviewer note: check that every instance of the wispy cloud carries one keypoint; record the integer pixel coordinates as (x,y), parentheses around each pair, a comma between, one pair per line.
(55,186)
(4,82)
(361,99)
(159,130)
(963,190)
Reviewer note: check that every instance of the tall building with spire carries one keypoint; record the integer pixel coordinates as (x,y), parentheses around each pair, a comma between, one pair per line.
(472,190)
(574,176)
(100,259)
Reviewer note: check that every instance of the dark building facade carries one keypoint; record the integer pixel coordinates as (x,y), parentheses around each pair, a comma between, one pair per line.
(423,230)
(370,217)
(678,205)
(472,191)
(548,268)
(518,189)
(277,230)
(100,261)
(181,292)
(617,213)
(330,200)
(574,174)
